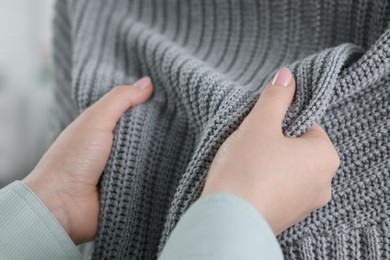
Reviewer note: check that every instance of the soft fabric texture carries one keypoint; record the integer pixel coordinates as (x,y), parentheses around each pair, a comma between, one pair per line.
(29,230)
(209,60)
(212,228)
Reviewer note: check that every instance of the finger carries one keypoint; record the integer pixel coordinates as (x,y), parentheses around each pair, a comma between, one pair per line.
(275,99)
(106,112)
(324,197)
(321,141)
(317,132)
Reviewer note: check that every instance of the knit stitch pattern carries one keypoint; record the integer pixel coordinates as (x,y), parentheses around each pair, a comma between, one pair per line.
(209,61)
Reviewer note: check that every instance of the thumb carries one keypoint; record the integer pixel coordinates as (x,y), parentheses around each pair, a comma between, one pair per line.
(106,112)
(274,101)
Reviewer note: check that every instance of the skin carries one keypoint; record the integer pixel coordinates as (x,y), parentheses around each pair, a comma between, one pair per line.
(66,177)
(284,178)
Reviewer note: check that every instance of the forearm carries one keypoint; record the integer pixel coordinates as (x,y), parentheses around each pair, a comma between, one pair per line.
(28,229)
(222,226)
(218,226)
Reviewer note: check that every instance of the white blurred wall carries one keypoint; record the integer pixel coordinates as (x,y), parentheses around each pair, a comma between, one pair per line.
(25,84)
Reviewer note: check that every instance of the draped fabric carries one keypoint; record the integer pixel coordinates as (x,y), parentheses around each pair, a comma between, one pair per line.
(209,61)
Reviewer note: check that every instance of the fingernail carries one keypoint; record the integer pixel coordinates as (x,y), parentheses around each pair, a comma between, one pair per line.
(143,83)
(283,77)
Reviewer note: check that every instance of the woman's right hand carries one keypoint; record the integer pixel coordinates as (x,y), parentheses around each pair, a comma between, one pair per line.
(285,178)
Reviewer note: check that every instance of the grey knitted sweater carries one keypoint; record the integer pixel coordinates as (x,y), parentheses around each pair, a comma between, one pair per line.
(209,60)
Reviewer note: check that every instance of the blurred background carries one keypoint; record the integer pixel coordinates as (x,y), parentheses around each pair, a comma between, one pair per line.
(26,84)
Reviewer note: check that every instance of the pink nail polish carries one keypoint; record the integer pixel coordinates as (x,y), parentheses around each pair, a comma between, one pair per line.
(283,77)
(143,83)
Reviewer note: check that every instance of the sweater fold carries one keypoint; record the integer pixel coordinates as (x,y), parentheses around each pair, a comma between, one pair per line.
(209,61)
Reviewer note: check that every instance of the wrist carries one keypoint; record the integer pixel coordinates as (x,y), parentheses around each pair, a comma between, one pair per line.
(263,207)
(52,198)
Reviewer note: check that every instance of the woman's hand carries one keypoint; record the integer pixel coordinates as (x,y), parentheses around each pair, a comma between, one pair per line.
(66,177)
(285,178)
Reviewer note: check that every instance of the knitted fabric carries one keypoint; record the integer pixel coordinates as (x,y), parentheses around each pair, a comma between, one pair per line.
(209,60)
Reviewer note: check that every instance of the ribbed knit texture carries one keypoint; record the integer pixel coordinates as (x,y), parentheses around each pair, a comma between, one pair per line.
(209,60)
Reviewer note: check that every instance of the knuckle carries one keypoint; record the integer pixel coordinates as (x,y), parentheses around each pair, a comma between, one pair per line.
(325,197)
(319,133)
(322,135)
(326,148)
(333,158)
(336,160)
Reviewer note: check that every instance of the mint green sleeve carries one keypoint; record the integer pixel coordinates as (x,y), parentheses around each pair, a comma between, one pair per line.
(28,230)
(221,226)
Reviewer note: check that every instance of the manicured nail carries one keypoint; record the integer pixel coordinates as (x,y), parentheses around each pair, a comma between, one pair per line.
(143,83)
(283,77)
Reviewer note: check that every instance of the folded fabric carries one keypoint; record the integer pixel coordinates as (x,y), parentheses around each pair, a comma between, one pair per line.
(209,60)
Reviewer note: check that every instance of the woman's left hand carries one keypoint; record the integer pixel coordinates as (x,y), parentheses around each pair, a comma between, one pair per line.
(66,177)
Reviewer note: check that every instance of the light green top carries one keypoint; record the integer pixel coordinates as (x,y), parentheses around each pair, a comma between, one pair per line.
(219,226)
